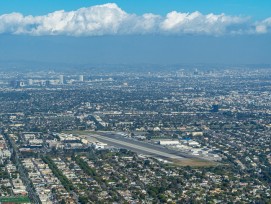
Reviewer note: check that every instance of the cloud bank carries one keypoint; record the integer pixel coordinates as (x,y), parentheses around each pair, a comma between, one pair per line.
(109,19)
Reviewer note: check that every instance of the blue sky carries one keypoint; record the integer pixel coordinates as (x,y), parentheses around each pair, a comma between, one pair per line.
(96,18)
(248,49)
(136,31)
(257,9)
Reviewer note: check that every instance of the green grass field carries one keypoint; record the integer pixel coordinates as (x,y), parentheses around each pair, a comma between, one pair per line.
(195,162)
(15,199)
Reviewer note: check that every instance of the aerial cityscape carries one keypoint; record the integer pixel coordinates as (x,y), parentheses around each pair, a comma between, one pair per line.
(105,102)
(113,137)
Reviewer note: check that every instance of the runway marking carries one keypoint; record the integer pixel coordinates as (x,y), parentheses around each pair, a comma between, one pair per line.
(140,148)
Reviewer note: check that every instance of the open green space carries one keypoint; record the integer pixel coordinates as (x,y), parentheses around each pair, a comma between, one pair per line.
(21,199)
(194,162)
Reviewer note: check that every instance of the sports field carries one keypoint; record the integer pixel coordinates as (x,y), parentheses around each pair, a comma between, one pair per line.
(21,199)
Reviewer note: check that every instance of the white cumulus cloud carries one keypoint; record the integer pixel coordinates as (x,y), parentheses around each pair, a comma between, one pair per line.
(109,19)
(264,26)
(198,23)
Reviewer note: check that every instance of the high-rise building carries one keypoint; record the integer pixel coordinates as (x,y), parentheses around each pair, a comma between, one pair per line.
(61,79)
(15,84)
(180,73)
(47,83)
(215,108)
(30,82)
(81,77)
(196,72)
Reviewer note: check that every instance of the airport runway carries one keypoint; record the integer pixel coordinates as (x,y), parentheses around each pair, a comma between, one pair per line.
(141,147)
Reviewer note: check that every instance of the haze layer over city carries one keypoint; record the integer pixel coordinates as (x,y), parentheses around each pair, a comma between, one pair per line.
(135,101)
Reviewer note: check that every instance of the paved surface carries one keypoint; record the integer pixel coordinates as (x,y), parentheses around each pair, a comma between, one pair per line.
(141,147)
(23,173)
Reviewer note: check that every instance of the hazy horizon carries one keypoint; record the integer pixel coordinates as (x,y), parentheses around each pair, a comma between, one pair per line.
(137,49)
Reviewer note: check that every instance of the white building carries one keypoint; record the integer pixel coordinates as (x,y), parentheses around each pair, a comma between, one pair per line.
(168,142)
(81,78)
(197,133)
(30,82)
(99,145)
(61,79)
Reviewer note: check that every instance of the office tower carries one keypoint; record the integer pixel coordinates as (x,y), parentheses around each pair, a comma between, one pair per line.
(30,82)
(215,108)
(15,84)
(47,83)
(196,72)
(81,77)
(61,79)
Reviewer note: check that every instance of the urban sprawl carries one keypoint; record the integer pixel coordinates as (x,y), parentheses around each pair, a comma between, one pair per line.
(183,136)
